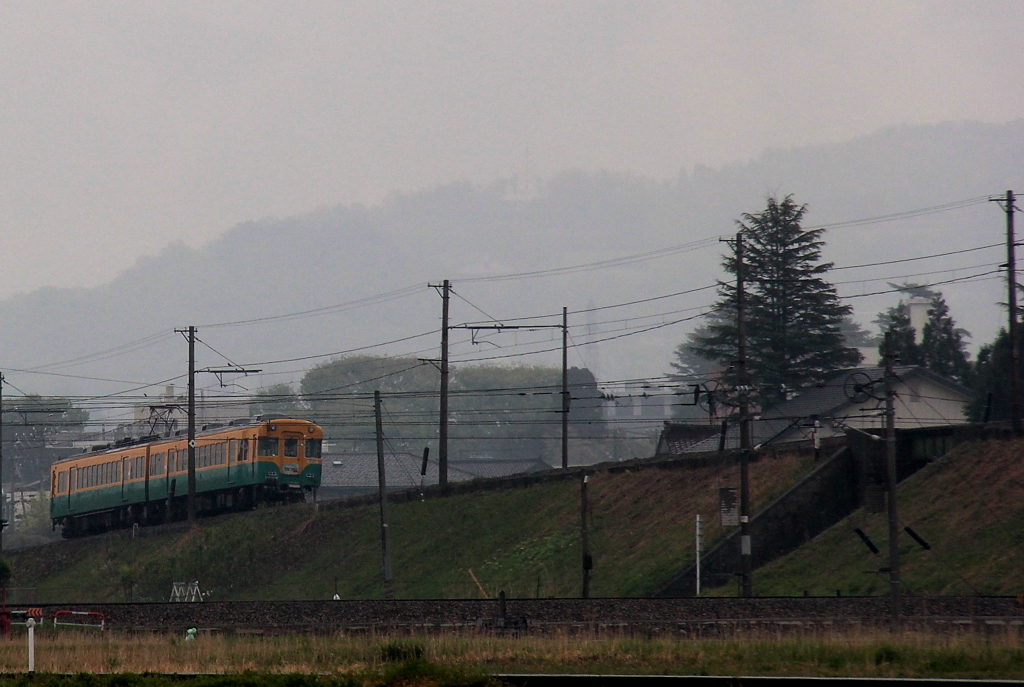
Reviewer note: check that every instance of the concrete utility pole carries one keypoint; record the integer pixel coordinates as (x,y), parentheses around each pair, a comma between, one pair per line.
(442,428)
(565,387)
(1013,330)
(382,487)
(190,335)
(890,470)
(743,387)
(192,426)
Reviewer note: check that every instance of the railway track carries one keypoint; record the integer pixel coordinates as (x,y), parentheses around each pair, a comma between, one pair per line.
(679,617)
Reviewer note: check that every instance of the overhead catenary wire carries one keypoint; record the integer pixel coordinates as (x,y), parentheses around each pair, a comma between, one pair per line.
(469,358)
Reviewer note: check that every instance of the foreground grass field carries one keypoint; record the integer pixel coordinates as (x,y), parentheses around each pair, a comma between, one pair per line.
(449,659)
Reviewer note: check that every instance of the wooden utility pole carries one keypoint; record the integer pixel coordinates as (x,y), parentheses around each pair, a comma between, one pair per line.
(382,487)
(565,387)
(890,471)
(743,387)
(588,561)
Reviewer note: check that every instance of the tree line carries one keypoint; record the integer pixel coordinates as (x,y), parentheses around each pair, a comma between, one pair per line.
(495,412)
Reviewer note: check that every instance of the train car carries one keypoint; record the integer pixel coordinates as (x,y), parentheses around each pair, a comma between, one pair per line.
(238,466)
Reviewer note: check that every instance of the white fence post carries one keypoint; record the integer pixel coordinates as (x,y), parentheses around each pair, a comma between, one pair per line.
(31,623)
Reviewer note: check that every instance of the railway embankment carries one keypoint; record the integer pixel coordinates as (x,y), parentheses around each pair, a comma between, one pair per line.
(522,536)
(518,535)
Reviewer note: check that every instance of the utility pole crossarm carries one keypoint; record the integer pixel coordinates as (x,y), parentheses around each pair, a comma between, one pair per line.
(221,371)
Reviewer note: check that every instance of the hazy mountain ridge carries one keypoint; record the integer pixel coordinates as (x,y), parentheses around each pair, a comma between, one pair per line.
(274,266)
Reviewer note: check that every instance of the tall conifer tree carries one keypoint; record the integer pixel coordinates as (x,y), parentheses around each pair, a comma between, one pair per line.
(794,315)
(943,344)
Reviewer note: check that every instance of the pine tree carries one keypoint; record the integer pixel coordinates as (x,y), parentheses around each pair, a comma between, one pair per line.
(794,315)
(943,347)
(991,389)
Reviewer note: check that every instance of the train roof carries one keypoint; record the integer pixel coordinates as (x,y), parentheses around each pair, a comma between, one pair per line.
(213,428)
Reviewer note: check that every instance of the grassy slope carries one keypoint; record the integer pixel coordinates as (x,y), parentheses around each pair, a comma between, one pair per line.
(525,541)
(968,506)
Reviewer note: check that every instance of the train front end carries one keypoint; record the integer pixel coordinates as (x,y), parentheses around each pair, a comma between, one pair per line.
(288,458)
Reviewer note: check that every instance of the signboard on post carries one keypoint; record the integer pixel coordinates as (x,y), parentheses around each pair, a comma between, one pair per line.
(729,506)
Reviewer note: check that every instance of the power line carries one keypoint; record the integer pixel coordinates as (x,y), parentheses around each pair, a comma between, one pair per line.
(921,257)
(906,214)
(338,307)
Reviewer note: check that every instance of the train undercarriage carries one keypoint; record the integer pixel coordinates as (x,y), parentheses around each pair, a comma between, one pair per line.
(175,509)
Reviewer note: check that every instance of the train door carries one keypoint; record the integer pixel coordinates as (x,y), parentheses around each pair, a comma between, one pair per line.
(170,465)
(232,443)
(72,484)
(145,473)
(124,491)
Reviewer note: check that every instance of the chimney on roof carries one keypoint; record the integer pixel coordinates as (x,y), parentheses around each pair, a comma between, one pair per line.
(918,308)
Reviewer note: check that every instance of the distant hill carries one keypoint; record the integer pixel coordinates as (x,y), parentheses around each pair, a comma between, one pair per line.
(265,268)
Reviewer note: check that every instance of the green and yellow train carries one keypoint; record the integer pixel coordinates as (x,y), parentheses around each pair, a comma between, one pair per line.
(237,467)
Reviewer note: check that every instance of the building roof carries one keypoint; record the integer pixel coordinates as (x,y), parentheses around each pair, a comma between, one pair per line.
(826,402)
(678,437)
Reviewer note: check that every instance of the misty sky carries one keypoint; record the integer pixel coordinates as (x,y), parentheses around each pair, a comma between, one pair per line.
(129,125)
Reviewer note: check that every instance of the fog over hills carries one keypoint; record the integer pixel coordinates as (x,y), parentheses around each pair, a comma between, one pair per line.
(271,267)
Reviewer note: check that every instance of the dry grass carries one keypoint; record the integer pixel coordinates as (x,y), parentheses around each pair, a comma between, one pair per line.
(869,654)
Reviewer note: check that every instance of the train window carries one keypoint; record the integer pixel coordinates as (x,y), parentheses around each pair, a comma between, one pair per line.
(268,447)
(222,453)
(156,464)
(243,450)
(291,448)
(313,448)
(62,482)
